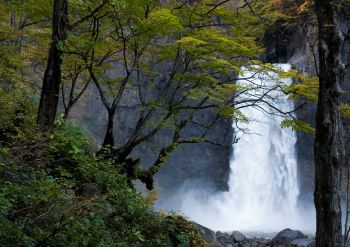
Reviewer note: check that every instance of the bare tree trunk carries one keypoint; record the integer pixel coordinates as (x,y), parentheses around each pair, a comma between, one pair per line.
(329,139)
(52,77)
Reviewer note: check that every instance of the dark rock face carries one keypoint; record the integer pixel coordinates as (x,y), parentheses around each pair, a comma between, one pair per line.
(292,43)
(285,237)
(204,165)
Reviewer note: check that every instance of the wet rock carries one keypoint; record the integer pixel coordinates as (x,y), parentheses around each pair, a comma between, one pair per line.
(237,237)
(223,238)
(259,242)
(208,235)
(254,244)
(220,234)
(285,237)
(303,243)
(264,241)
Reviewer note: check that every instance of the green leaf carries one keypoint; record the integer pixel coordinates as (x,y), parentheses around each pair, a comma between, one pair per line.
(298,125)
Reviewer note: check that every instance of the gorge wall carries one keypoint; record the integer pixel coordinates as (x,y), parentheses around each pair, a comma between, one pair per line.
(293,42)
(206,165)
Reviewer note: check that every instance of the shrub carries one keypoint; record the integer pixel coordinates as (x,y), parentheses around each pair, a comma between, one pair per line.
(54,191)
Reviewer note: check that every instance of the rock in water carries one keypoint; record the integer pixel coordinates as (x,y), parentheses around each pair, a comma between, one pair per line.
(303,243)
(285,237)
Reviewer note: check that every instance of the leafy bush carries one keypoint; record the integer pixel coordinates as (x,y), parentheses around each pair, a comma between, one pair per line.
(55,191)
(17,116)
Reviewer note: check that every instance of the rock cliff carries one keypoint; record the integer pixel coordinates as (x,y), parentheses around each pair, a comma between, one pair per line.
(207,165)
(294,42)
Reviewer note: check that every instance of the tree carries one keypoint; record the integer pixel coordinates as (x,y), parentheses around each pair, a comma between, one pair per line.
(75,83)
(53,74)
(329,139)
(52,77)
(182,60)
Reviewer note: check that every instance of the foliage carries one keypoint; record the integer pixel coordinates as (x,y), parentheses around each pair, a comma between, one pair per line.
(179,57)
(305,6)
(182,232)
(298,125)
(306,87)
(345,110)
(17,121)
(56,192)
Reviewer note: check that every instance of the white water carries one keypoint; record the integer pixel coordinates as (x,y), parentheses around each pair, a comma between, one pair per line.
(263,194)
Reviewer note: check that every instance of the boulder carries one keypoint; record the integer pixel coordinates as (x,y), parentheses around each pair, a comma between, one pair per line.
(237,237)
(262,241)
(254,244)
(221,234)
(223,238)
(308,242)
(285,237)
(208,235)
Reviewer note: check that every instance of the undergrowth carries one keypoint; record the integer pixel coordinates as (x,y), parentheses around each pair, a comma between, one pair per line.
(56,191)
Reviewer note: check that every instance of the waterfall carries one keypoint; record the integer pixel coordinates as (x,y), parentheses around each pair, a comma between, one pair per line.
(264,179)
(263,186)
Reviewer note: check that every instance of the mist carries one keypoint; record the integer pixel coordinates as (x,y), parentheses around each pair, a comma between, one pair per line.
(264,194)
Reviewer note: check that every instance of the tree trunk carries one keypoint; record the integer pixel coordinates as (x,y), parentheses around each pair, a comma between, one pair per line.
(52,77)
(109,137)
(67,110)
(329,139)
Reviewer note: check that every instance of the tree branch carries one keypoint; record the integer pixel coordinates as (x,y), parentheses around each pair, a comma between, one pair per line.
(92,14)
